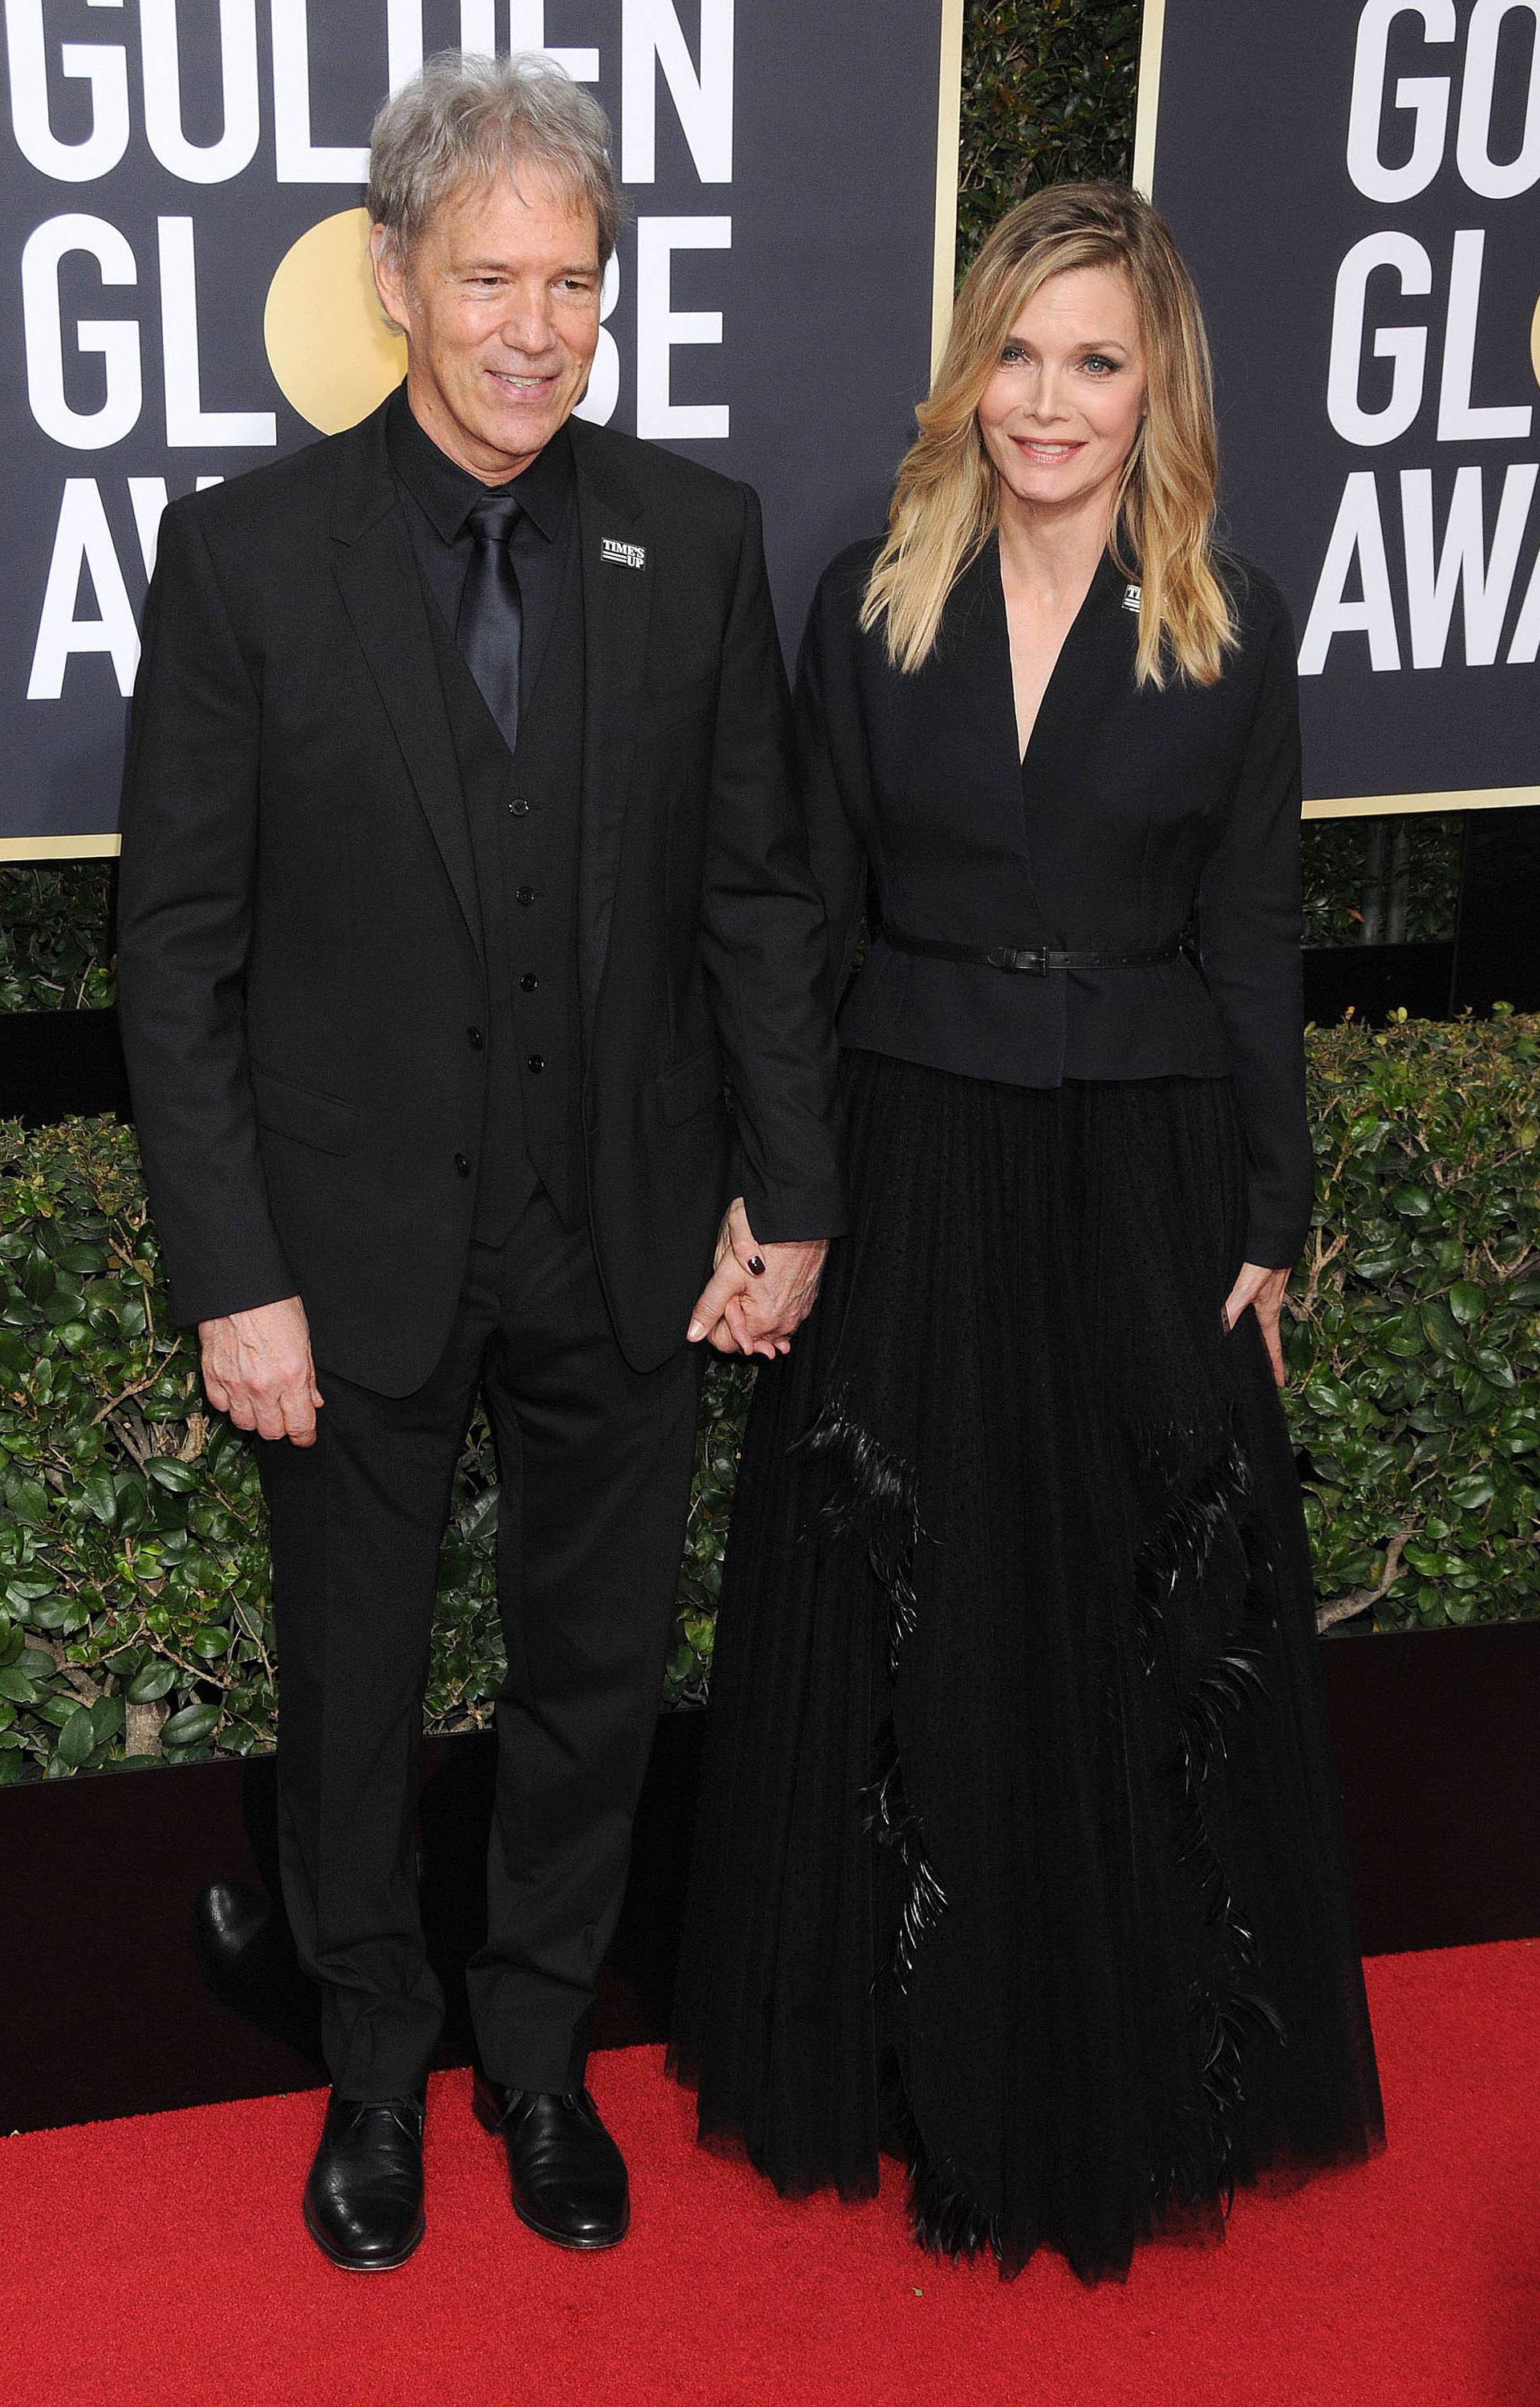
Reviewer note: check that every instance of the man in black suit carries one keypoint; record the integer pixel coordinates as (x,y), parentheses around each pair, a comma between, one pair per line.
(461,862)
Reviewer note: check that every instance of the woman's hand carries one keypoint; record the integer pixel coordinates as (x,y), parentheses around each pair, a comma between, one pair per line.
(1263,1290)
(758,1295)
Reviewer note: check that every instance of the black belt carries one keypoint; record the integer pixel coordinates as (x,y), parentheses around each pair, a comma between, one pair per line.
(1036,959)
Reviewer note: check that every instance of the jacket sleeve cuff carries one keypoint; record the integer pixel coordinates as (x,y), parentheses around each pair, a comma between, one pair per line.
(1273,1244)
(216,1294)
(787,1215)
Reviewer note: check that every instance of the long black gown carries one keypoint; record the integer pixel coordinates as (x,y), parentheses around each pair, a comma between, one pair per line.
(1019,1853)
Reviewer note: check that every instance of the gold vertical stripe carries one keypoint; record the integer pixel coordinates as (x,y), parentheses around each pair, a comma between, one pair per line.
(1148,95)
(949,127)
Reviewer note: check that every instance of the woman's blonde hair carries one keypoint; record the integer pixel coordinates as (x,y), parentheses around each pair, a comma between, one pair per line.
(946,501)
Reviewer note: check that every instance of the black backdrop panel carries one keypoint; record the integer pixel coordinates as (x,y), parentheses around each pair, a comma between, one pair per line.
(1367,177)
(158,164)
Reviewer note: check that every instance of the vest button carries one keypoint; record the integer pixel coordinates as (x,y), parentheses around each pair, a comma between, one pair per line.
(536,1061)
(474,1038)
(520,810)
(525,894)
(462,1165)
(528,982)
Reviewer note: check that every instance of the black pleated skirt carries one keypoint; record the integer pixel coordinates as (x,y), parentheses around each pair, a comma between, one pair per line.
(1020,1852)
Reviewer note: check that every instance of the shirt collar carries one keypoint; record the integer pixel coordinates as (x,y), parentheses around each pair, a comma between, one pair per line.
(446,490)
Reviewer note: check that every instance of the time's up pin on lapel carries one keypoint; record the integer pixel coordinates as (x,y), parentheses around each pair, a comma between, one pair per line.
(1131,596)
(628,555)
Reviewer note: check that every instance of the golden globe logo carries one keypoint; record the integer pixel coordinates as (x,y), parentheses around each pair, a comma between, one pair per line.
(333,353)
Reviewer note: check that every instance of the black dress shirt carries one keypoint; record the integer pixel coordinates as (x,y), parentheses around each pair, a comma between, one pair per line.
(1136,812)
(436,495)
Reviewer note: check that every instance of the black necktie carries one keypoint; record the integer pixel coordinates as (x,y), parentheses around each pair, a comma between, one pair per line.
(491,616)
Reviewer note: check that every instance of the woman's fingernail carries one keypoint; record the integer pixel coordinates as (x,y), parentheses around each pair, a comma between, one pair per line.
(757,1265)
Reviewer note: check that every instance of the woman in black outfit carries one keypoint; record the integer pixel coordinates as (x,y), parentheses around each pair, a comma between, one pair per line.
(1019,1851)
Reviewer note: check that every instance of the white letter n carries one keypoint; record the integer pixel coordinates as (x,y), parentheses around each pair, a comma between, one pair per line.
(651,38)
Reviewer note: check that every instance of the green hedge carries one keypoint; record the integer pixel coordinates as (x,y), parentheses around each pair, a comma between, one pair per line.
(55,936)
(134,1584)
(1415,1344)
(133,1616)
(1048,96)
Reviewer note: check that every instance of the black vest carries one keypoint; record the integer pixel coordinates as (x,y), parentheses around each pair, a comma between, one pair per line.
(523,810)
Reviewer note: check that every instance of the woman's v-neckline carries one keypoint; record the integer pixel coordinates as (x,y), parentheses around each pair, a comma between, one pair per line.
(1025,752)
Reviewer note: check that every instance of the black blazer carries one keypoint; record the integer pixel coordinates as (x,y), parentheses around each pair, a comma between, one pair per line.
(1134,812)
(300,946)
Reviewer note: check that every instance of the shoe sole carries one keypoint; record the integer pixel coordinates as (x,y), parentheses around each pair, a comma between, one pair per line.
(368,2264)
(565,2239)
(490,2124)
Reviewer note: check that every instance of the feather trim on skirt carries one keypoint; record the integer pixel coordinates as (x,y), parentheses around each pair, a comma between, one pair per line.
(1019,1853)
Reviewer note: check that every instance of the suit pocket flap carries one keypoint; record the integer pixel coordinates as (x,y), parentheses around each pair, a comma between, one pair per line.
(690,1085)
(303,1112)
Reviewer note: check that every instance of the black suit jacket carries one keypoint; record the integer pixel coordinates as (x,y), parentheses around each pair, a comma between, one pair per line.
(300,938)
(1135,812)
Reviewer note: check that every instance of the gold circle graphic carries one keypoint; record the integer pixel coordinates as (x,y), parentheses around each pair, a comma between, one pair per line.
(330,348)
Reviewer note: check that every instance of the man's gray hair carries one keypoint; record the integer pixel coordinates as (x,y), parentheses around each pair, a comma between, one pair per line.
(470,119)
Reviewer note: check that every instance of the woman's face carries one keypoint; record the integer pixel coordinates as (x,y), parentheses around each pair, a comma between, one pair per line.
(1060,413)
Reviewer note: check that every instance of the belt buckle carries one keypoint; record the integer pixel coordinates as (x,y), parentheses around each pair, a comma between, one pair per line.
(1030,958)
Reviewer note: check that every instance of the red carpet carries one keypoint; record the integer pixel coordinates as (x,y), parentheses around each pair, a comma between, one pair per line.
(162,2260)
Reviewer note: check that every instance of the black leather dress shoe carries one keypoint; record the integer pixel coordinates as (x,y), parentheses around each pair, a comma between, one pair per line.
(363,2200)
(247,1954)
(231,1918)
(567,2176)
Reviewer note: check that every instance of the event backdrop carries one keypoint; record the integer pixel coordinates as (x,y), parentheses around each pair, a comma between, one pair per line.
(1356,186)
(184,292)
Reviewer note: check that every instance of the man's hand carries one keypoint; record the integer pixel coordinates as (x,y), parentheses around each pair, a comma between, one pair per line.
(1263,1290)
(258,1368)
(758,1295)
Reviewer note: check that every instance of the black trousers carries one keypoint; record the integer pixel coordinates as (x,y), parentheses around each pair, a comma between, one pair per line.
(595,1463)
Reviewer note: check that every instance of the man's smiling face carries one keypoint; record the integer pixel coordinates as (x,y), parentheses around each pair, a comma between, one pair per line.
(499,302)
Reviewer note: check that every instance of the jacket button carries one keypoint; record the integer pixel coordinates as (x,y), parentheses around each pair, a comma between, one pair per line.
(535,1061)
(525,894)
(528,982)
(519,811)
(462,1165)
(474,1038)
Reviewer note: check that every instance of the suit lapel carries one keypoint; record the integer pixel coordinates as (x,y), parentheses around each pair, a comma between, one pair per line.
(617,613)
(382,593)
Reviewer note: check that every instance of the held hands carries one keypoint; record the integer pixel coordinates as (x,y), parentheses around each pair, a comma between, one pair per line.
(258,1368)
(757,1295)
(1263,1289)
